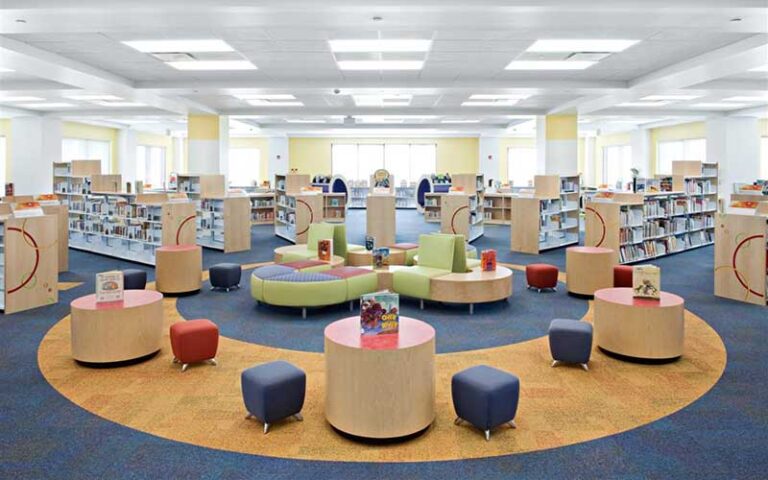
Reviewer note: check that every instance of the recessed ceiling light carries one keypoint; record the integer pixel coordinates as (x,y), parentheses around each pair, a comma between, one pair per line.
(380,64)
(644,104)
(763,98)
(549,65)
(306,120)
(459,121)
(383,100)
(653,98)
(90,98)
(718,105)
(6,70)
(380,46)
(47,105)
(764,68)
(498,96)
(174,46)
(270,103)
(488,103)
(582,45)
(21,99)
(120,104)
(213,65)
(265,96)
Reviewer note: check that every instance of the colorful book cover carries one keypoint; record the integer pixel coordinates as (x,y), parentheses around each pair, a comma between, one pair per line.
(380,257)
(27,209)
(109,286)
(379,313)
(325,249)
(369,242)
(488,260)
(646,281)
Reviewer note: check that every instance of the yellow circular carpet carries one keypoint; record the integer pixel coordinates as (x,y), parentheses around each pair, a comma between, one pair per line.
(558,406)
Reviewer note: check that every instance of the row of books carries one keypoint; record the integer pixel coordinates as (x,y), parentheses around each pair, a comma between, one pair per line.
(262,203)
(286,201)
(698,187)
(632,216)
(129,229)
(550,206)
(263,216)
(81,186)
(567,185)
(286,217)
(117,207)
(187,186)
(334,202)
(672,244)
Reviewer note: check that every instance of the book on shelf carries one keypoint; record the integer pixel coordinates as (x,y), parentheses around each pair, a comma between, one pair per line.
(379,313)
(646,281)
(325,249)
(109,286)
(488,260)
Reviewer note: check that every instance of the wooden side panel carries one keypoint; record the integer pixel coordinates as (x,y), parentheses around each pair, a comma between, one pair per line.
(525,225)
(601,227)
(740,267)
(212,186)
(179,224)
(294,182)
(61,212)
(106,183)
(237,224)
(144,198)
(547,186)
(86,168)
(454,214)
(380,219)
(31,263)
(309,209)
(686,168)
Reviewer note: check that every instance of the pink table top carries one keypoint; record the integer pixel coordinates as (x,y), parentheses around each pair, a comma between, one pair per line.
(589,250)
(623,296)
(178,248)
(347,332)
(132,298)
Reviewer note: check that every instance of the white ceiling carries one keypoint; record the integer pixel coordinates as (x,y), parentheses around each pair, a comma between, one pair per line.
(686,47)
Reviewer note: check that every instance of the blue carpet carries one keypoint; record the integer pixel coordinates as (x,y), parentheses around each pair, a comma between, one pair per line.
(722,435)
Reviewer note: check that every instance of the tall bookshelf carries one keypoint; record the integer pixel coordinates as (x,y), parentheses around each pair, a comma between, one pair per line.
(405,195)
(73,179)
(262,208)
(741,269)
(294,209)
(433,206)
(224,223)
(358,191)
(335,207)
(497,208)
(461,213)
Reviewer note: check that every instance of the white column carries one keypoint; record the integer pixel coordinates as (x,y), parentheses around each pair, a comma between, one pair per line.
(541,145)
(489,158)
(734,143)
(224,147)
(590,172)
(557,145)
(178,155)
(126,147)
(277,159)
(35,145)
(640,140)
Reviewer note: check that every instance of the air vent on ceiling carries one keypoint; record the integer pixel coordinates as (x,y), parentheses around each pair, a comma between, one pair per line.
(587,56)
(349,121)
(174,57)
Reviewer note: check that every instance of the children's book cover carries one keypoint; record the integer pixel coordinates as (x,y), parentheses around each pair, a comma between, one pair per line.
(379,313)
(488,260)
(325,249)
(369,242)
(646,281)
(109,286)
(380,257)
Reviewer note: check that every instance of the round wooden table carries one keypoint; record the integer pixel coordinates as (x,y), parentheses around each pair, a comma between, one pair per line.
(589,269)
(336,261)
(179,269)
(639,328)
(364,258)
(475,286)
(380,386)
(117,331)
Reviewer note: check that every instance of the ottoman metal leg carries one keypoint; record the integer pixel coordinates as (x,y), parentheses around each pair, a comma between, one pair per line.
(555,363)
(351,306)
(512,424)
(248,417)
(471,308)
(487,435)
(304,313)
(184,367)
(299,417)
(421,304)
(175,360)
(458,421)
(585,367)
(213,362)
(266,428)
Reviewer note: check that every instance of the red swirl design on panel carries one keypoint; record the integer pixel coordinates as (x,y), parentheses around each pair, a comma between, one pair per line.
(453,217)
(736,271)
(181,225)
(311,216)
(602,224)
(30,240)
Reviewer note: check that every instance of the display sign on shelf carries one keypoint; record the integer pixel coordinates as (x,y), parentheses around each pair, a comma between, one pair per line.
(381,182)
(379,313)
(109,287)
(380,257)
(646,281)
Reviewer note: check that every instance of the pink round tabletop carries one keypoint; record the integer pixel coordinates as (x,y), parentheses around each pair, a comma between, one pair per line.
(131,299)
(177,248)
(623,296)
(412,332)
(589,250)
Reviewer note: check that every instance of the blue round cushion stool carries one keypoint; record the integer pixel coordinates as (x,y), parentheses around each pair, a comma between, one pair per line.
(273,391)
(570,341)
(486,397)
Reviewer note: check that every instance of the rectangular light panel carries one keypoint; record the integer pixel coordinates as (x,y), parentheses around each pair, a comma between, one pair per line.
(656,98)
(581,45)
(178,46)
(380,64)
(213,65)
(549,65)
(380,46)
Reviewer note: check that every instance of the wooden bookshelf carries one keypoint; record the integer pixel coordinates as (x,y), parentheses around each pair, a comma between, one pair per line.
(740,256)
(461,214)
(224,223)
(71,179)
(198,186)
(433,207)
(497,208)
(28,261)
(262,208)
(335,207)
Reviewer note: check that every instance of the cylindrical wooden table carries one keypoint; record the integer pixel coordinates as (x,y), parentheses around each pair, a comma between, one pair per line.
(179,269)
(380,386)
(640,328)
(117,331)
(589,269)
(336,260)
(475,286)
(364,258)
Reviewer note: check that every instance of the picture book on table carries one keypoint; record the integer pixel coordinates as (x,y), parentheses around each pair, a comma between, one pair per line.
(369,242)
(380,257)
(488,260)
(379,313)
(325,250)
(646,281)
(109,286)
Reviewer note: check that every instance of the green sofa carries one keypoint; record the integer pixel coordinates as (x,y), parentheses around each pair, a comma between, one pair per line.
(320,231)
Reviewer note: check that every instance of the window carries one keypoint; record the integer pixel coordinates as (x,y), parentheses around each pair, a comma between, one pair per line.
(3,146)
(690,149)
(404,161)
(150,166)
(244,166)
(617,165)
(763,158)
(83,149)
(521,166)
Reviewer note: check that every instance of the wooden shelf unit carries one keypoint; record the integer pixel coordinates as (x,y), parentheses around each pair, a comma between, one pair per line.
(292,223)
(262,208)
(358,191)
(432,207)
(224,223)
(497,208)
(74,179)
(381,219)
(198,186)
(461,213)
(741,271)
(335,207)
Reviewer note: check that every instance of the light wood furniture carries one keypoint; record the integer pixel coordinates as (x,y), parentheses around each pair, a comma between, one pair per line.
(740,257)
(117,331)
(364,258)
(460,214)
(71,179)
(225,223)
(472,287)
(198,186)
(498,208)
(179,223)
(29,262)
(380,218)
(179,269)
(105,183)
(433,207)
(262,208)
(589,269)
(309,209)
(397,403)
(336,260)
(335,207)
(637,327)
(294,210)
(61,212)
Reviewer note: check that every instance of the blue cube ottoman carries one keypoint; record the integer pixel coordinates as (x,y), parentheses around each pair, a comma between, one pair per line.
(273,391)
(486,397)
(570,341)
(225,276)
(134,279)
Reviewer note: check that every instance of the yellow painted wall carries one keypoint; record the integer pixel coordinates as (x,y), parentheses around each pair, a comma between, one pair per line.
(5,131)
(254,142)
(92,132)
(203,127)
(454,155)
(682,131)
(561,127)
(506,143)
(763,126)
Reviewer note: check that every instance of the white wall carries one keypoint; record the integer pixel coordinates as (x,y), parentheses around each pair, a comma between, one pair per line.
(36,145)
(734,142)
(489,157)
(640,140)
(126,148)
(277,163)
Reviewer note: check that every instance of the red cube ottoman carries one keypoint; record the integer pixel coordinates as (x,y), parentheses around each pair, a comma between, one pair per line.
(541,276)
(194,341)
(622,276)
